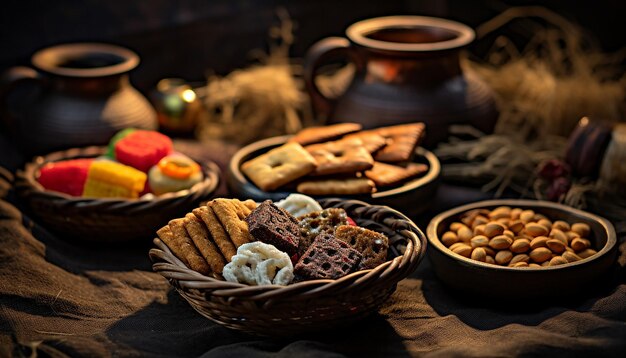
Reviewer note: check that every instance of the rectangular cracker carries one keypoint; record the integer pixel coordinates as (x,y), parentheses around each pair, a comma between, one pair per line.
(346,186)
(185,247)
(324,133)
(232,217)
(219,235)
(387,174)
(371,141)
(340,157)
(250,204)
(401,142)
(279,166)
(201,237)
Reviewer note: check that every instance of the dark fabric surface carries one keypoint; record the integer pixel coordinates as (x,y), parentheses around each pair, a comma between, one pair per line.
(58,299)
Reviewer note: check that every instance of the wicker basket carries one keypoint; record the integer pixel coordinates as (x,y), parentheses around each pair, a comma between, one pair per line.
(309,305)
(106,220)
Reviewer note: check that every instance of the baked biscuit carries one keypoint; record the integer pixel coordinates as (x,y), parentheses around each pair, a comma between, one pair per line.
(401,142)
(219,235)
(324,133)
(340,157)
(387,174)
(183,246)
(344,186)
(231,216)
(371,141)
(315,223)
(371,244)
(279,166)
(201,237)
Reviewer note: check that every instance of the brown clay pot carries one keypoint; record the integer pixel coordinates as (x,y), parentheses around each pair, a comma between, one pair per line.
(82,97)
(407,70)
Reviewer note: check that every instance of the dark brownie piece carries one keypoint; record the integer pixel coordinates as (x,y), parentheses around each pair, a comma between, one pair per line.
(327,258)
(316,223)
(272,225)
(371,244)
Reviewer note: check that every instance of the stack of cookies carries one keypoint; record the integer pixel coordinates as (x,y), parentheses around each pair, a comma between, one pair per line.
(243,242)
(340,159)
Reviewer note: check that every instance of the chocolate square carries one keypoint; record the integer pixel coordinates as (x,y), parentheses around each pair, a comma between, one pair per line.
(327,258)
(272,225)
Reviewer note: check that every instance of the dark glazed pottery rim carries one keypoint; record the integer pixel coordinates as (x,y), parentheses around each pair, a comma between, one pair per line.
(434,168)
(48,59)
(462,34)
(434,242)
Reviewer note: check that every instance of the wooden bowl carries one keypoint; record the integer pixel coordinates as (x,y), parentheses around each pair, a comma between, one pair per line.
(411,198)
(532,285)
(306,306)
(106,220)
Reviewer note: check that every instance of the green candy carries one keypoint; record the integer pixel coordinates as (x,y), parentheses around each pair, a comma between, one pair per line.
(116,138)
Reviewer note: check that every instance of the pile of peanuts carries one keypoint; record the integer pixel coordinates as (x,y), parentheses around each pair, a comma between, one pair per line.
(518,238)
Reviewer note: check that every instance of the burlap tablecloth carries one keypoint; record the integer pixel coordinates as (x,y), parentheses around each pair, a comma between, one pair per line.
(61,299)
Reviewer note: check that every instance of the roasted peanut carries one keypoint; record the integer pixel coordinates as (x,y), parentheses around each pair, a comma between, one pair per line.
(579,244)
(463,250)
(561,225)
(581,229)
(504,257)
(493,229)
(479,254)
(449,238)
(517,238)
(539,241)
(540,254)
(500,242)
(535,229)
(520,246)
(519,258)
(479,241)
(555,246)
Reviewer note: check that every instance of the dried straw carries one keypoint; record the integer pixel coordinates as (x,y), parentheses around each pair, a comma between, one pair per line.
(542,91)
(260,101)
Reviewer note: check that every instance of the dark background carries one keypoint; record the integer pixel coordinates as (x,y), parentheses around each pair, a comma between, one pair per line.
(187,38)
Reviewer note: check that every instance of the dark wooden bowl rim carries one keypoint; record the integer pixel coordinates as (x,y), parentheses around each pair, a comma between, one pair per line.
(434,168)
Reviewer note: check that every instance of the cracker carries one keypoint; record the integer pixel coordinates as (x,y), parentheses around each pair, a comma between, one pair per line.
(370,244)
(347,186)
(219,235)
(279,166)
(340,157)
(401,142)
(201,237)
(186,247)
(324,133)
(371,141)
(387,174)
(250,204)
(231,215)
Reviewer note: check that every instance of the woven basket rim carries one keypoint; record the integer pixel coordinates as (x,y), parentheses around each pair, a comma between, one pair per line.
(27,184)
(408,261)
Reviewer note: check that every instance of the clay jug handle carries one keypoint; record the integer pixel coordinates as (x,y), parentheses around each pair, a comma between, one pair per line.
(321,53)
(9,80)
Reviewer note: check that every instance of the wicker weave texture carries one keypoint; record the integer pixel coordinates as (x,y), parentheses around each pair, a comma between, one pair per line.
(309,305)
(106,220)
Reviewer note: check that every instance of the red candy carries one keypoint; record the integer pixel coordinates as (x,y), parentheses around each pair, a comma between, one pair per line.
(67,177)
(142,149)
(350,222)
